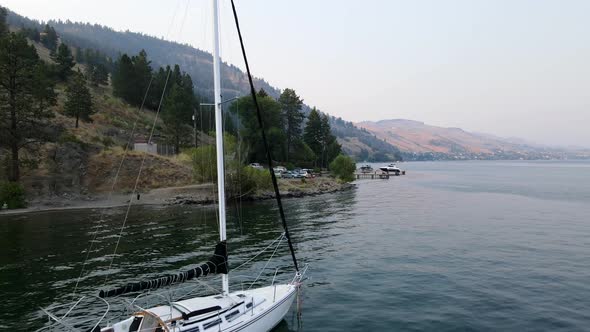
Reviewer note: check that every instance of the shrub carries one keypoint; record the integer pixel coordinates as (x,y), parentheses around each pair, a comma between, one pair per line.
(204,163)
(248,180)
(67,137)
(107,142)
(343,167)
(13,195)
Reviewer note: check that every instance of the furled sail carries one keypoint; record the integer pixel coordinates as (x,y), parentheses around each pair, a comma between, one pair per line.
(216,264)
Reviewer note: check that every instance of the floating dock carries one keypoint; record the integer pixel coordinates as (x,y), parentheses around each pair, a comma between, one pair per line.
(376,175)
(372,176)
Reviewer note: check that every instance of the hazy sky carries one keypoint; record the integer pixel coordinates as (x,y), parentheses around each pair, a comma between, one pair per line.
(507,67)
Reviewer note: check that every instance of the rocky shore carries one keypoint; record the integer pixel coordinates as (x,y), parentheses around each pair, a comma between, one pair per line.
(289,189)
(200,194)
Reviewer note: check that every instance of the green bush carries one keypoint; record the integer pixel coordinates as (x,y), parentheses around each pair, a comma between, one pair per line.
(13,195)
(343,167)
(67,137)
(249,180)
(204,163)
(107,142)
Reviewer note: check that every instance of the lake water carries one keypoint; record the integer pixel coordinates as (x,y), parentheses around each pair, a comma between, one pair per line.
(452,246)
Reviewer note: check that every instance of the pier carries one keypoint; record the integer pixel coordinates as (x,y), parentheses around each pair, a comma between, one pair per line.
(376,175)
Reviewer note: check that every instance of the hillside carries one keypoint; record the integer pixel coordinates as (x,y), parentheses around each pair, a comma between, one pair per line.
(82,161)
(417,140)
(362,144)
(197,63)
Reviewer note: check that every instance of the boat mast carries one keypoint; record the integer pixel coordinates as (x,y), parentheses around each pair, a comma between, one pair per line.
(219,135)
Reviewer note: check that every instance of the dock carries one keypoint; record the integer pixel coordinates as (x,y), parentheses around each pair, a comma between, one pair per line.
(376,175)
(372,176)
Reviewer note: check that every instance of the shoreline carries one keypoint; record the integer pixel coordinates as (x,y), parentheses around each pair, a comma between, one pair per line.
(201,194)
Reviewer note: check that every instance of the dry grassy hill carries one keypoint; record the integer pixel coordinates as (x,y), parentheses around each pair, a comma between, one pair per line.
(415,138)
(83,161)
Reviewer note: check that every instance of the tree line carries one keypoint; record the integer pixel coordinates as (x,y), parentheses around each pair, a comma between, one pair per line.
(294,137)
(135,81)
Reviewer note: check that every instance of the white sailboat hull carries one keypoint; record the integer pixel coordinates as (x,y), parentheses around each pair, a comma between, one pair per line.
(267,319)
(259,309)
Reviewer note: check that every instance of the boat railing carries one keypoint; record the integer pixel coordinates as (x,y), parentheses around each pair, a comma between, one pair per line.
(69,321)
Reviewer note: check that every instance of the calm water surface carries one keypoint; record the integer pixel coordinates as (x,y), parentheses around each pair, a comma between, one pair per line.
(452,246)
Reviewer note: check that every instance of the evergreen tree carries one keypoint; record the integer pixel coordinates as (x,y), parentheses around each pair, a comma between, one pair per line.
(26,92)
(97,74)
(261,93)
(89,56)
(33,34)
(318,136)
(131,78)
(157,88)
(250,129)
(78,99)
(3,25)
(141,78)
(291,105)
(64,62)
(177,112)
(123,78)
(331,146)
(49,38)
(79,55)
(312,134)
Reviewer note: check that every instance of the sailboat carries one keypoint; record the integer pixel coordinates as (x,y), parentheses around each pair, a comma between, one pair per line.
(255,309)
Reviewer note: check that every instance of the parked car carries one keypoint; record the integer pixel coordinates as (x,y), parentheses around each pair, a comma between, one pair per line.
(298,174)
(308,173)
(256,165)
(288,175)
(279,169)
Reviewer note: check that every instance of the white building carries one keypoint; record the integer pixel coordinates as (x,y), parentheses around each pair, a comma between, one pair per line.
(146,147)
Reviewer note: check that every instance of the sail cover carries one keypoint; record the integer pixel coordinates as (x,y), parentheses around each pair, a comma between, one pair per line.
(216,264)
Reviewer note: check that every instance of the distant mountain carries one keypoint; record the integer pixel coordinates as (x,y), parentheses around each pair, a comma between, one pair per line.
(419,141)
(362,144)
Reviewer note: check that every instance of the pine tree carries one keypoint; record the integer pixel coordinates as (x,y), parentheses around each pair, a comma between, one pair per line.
(141,78)
(318,135)
(79,55)
(157,88)
(78,99)
(331,146)
(312,134)
(97,75)
(3,25)
(64,62)
(123,78)
(26,92)
(261,93)
(49,38)
(291,105)
(177,112)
